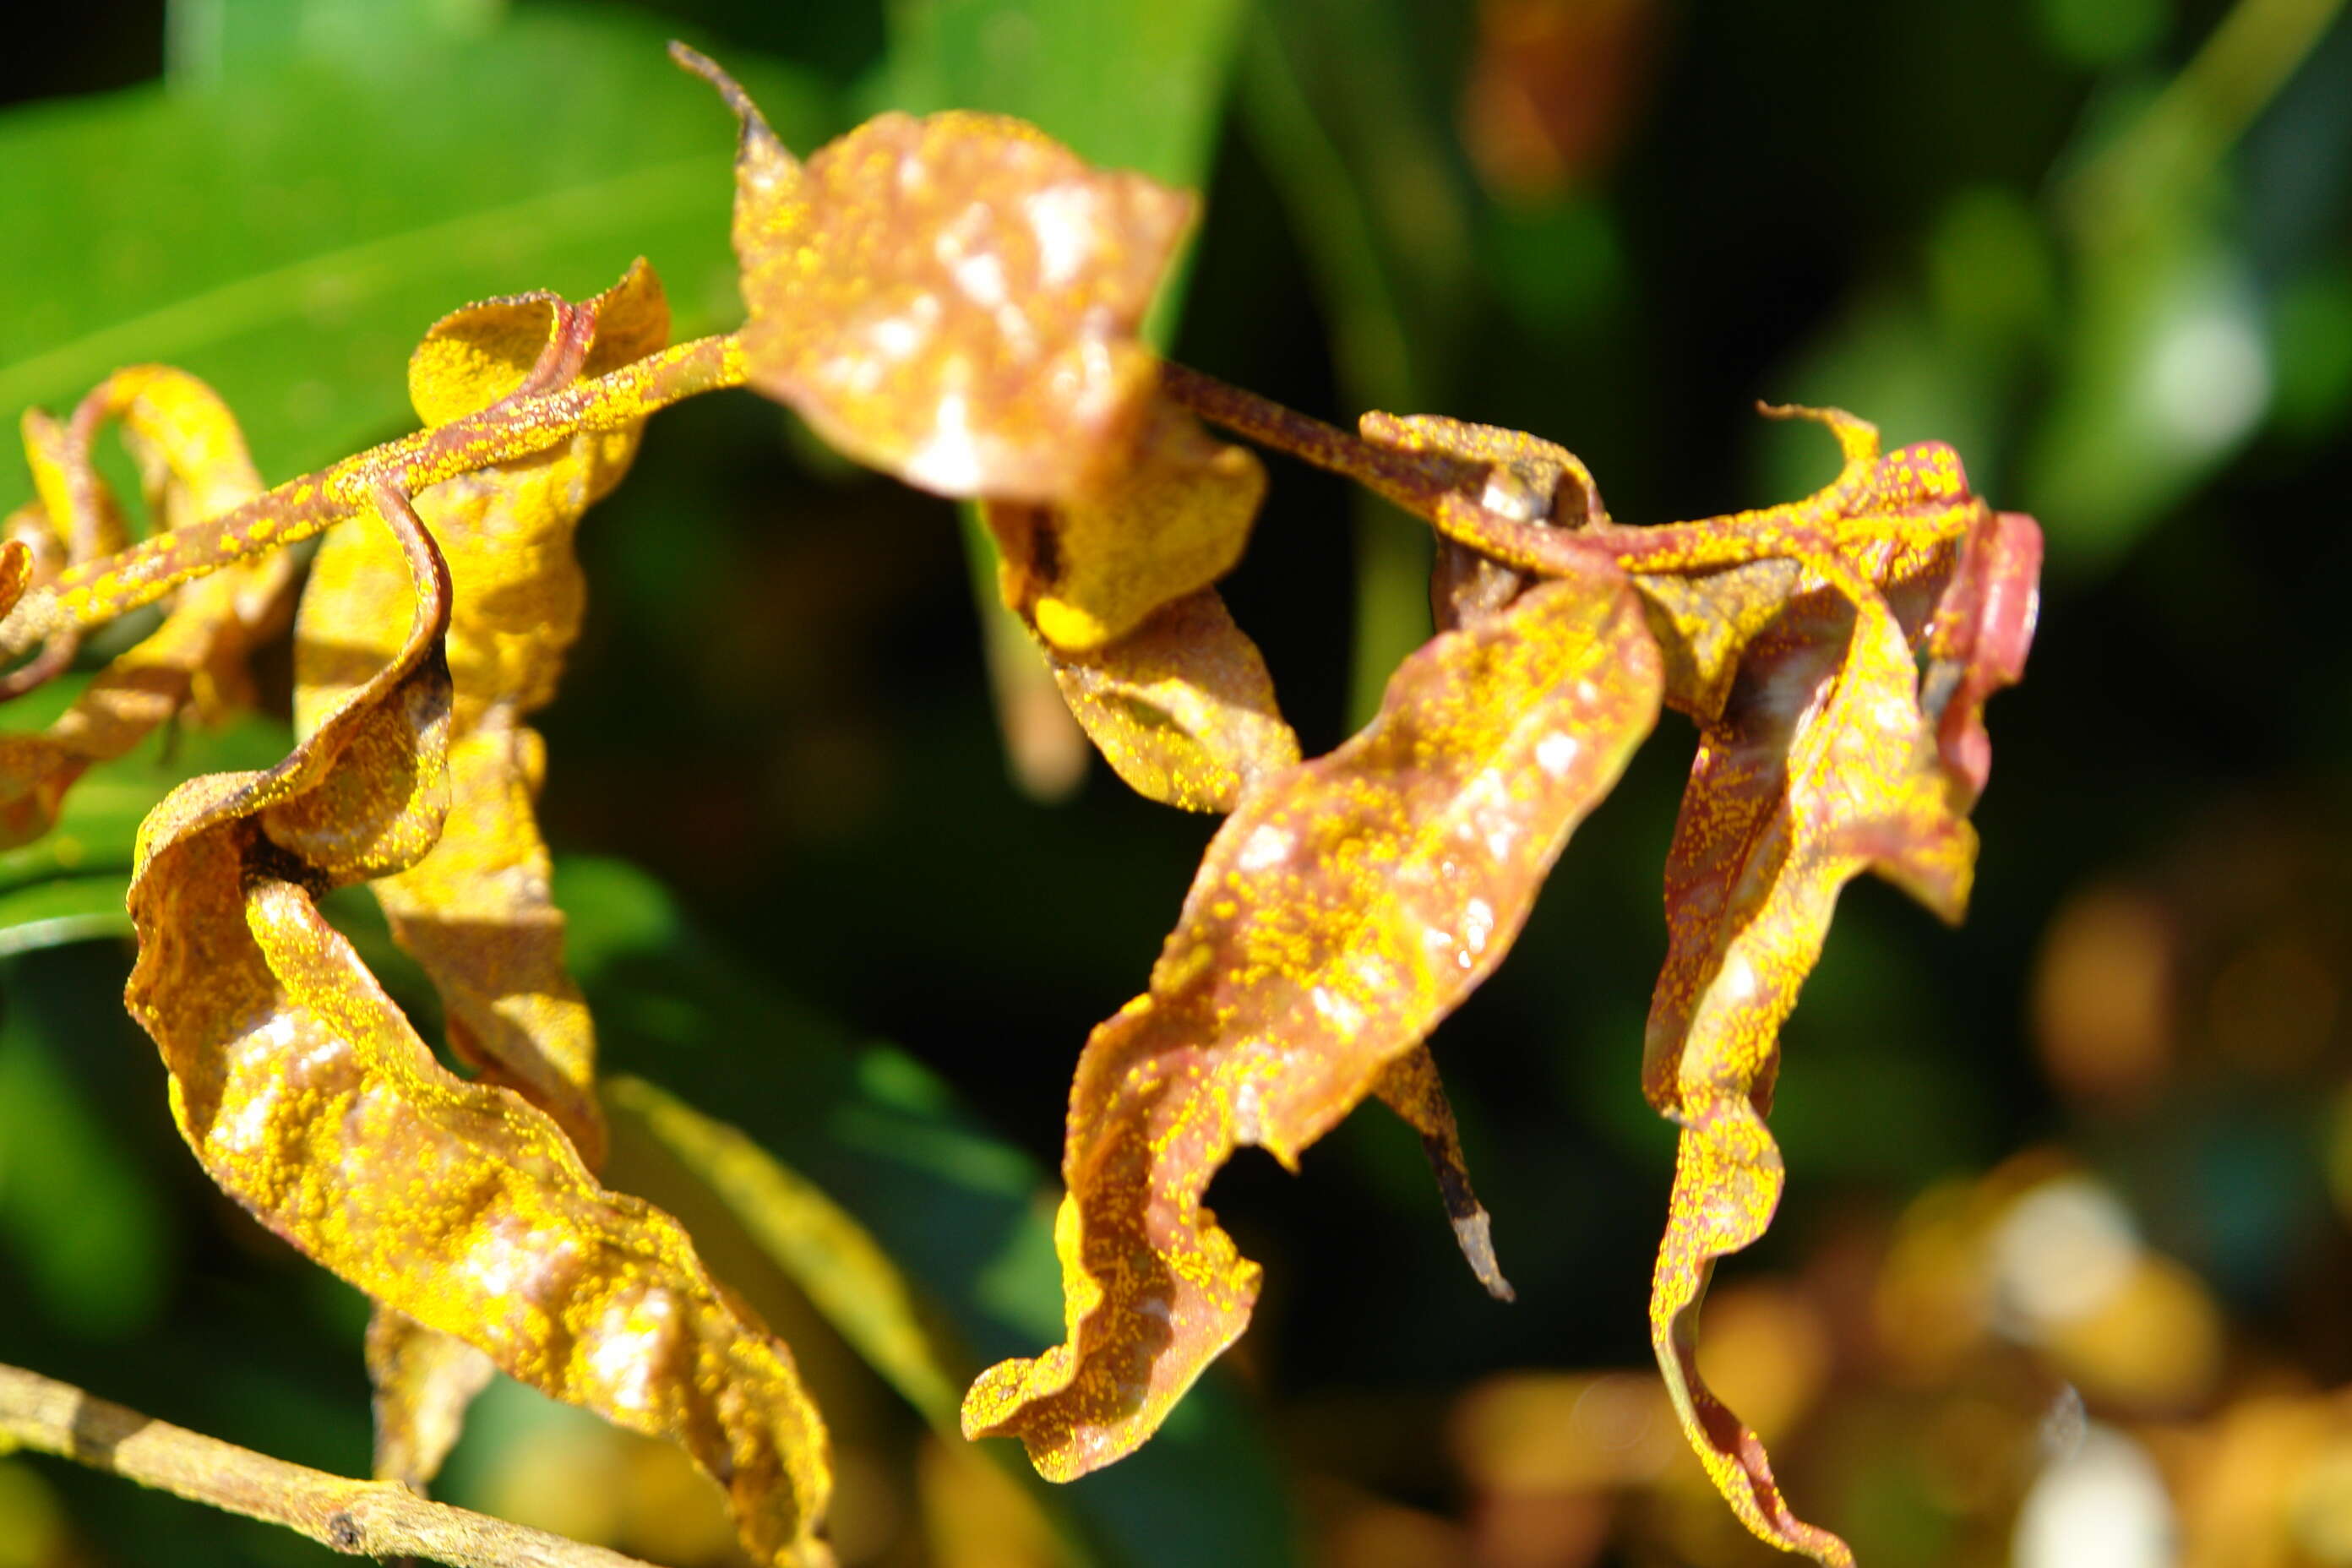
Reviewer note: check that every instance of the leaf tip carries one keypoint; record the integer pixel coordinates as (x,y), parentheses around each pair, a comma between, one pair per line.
(760,142)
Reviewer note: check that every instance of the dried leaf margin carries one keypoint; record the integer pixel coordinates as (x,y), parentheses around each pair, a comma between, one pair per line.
(1342,910)
(307,1097)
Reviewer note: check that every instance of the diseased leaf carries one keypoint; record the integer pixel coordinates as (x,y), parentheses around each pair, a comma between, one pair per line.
(1513,475)
(193,465)
(1820,767)
(476,911)
(1170,519)
(308,1096)
(1344,909)
(1182,707)
(953,299)
(1704,623)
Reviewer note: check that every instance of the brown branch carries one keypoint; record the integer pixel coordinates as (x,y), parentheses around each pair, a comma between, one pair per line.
(1411,480)
(92,593)
(366,1518)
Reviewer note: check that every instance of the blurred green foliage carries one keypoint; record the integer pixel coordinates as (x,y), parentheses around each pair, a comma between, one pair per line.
(2104,247)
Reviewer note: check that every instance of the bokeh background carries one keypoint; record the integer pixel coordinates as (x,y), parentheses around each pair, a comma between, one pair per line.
(2063,1276)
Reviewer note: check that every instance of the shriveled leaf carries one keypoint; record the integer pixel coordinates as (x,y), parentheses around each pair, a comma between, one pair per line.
(1170,519)
(194,466)
(952,300)
(1820,767)
(16,572)
(476,912)
(817,1243)
(1704,623)
(1182,707)
(1343,910)
(308,1096)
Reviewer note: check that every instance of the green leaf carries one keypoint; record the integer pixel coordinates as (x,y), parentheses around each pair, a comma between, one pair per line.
(290,243)
(1128,86)
(69,909)
(959,1211)
(823,1249)
(213,44)
(1381,209)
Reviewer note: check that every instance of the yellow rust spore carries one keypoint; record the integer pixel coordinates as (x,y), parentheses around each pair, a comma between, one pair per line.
(1344,909)
(308,1098)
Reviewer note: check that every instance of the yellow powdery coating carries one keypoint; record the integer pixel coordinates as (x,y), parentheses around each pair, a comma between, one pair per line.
(308,1098)
(194,462)
(952,300)
(1344,909)
(1819,766)
(477,912)
(1182,707)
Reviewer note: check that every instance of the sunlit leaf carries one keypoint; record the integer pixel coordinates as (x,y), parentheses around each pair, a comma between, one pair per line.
(308,1096)
(1820,766)
(1978,638)
(193,465)
(474,912)
(287,238)
(953,299)
(1182,707)
(1169,518)
(1344,909)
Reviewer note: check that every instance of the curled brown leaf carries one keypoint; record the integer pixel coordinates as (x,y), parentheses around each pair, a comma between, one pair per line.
(308,1096)
(952,300)
(477,912)
(1344,909)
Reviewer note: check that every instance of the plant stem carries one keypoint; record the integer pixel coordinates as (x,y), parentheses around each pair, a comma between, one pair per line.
(1411,480)
(367,1519)
(94,592)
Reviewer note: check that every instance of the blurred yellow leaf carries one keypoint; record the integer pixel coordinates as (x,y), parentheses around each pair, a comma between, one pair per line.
(308,1096)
